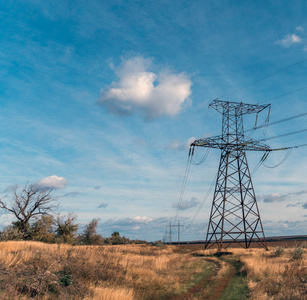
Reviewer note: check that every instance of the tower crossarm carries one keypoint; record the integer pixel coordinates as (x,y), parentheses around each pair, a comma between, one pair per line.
(218,142)
(237,107)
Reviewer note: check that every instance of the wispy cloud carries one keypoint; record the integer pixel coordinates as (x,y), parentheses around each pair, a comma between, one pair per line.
(289,40)
(139,89)
(300,204)
(276,197)
(187,204)
(72,194)
(102,205)
(177,145)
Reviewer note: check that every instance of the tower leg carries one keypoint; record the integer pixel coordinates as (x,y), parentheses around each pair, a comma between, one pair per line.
(234,214)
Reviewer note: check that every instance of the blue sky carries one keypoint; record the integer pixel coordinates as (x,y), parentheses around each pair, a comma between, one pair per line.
(100,99)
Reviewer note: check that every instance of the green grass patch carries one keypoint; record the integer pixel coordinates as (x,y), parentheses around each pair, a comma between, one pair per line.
(207,268)
(237,287)
(206,271)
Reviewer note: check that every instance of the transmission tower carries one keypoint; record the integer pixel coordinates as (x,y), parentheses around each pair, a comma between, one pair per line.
(234,214)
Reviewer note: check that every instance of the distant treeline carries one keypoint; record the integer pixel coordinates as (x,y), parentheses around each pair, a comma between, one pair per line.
(36,219)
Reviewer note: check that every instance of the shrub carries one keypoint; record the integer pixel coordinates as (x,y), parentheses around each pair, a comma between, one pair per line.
(304,245)
(297,253)
(42,230)
(11,233)
(66,228)
(65,278)
(279,251)
(158,244)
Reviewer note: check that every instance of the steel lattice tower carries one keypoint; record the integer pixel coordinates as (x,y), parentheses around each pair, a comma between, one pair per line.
(234,214)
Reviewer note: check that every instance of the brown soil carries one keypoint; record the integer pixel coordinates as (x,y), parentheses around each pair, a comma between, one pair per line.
(223,283)
(219,285)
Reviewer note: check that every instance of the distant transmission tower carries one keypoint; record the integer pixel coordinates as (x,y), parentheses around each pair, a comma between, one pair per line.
(234,213)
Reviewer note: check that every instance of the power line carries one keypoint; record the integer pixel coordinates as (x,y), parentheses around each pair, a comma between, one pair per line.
(263,78)
(283,135)
(281,162)
(184,183)
(282,95)
(201,205)
(279,121)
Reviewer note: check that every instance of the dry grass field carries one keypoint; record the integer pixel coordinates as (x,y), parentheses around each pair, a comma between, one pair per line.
(33,270)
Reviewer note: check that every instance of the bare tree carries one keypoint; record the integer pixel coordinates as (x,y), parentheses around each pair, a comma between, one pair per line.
(28,203)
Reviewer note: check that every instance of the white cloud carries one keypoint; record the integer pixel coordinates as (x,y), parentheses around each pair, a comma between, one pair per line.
(289,40)
(299,28)
(154,94)
(53,182)
(141,219)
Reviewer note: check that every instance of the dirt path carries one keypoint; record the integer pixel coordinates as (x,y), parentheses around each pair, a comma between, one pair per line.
(223,282)
(213,282)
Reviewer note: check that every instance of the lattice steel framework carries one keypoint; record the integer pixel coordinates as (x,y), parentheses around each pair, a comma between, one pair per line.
(234,214)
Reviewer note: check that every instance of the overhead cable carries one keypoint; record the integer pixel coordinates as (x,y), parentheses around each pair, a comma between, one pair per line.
(283,135)
(201,205)
(282,95)
(279,121)
(263,78)
(281,162)
(184,182)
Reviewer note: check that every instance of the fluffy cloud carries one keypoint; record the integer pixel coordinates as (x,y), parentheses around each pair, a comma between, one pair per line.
(138,89)
(284,227)
(294,39)
(53,182)
(289,40)
(187,204)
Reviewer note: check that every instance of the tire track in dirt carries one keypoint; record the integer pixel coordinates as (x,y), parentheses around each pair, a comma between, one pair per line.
(218,285)
(223,282)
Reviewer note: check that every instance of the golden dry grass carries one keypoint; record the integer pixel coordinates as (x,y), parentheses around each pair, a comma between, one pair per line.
(126,272)
(273,277)
(47,271)
(270,276)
